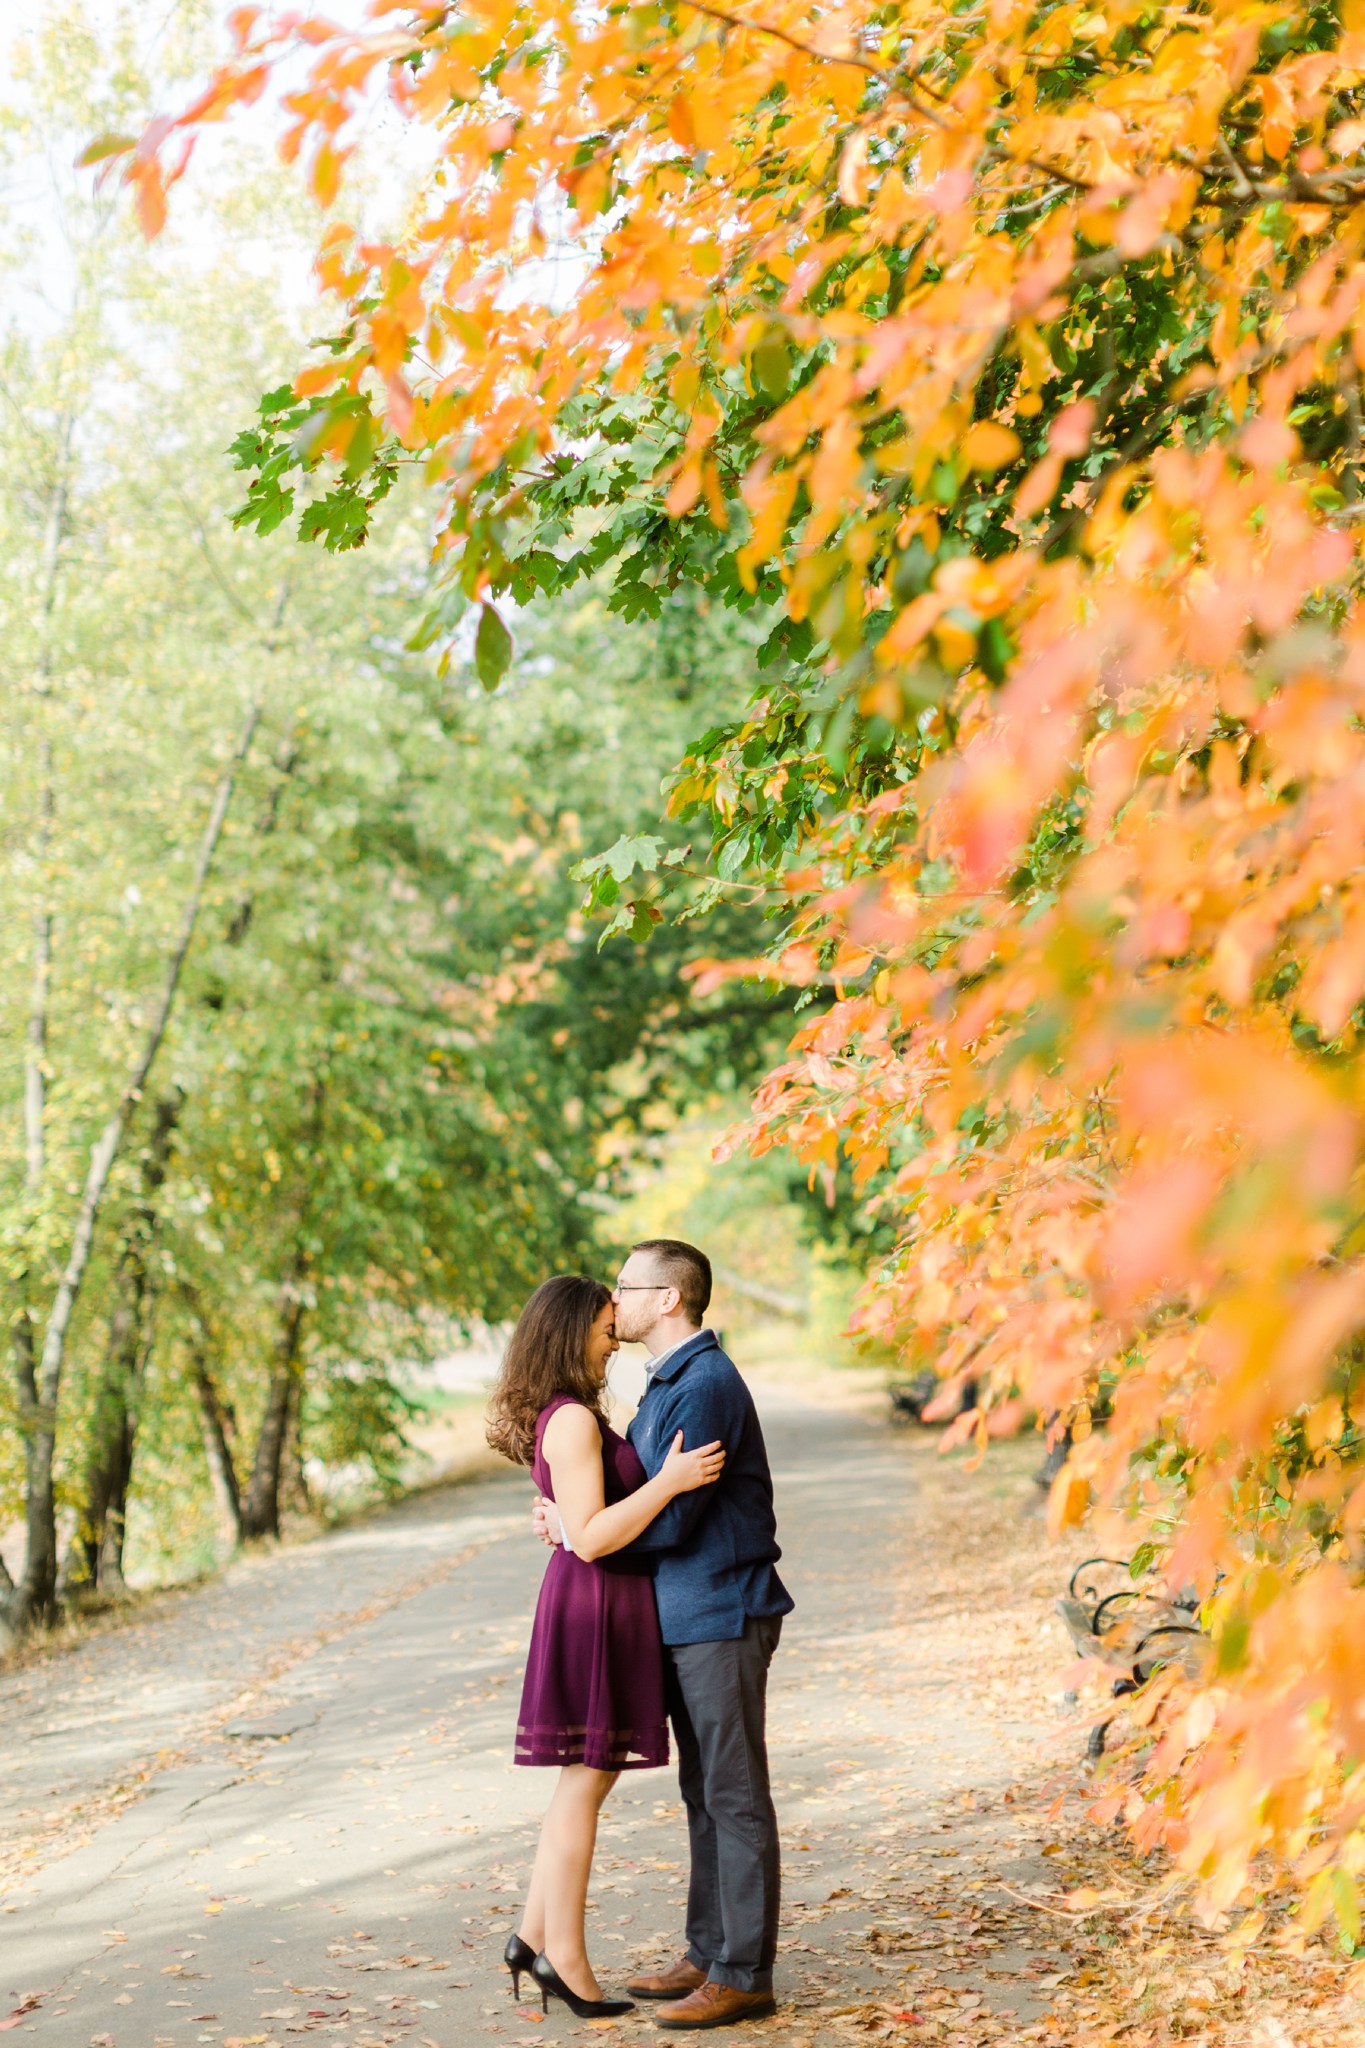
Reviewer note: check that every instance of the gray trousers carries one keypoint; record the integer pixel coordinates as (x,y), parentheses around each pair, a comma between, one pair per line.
(717,1702)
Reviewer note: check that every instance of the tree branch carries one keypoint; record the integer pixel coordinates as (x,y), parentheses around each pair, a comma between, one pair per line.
(893,82)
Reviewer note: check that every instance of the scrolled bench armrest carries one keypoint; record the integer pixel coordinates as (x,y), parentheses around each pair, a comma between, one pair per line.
(1121,1564)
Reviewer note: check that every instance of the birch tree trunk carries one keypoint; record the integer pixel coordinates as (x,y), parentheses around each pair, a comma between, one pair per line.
(36,1589)
(33,1598)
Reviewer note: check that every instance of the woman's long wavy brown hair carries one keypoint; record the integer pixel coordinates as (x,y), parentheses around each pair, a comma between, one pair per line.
(547,1355)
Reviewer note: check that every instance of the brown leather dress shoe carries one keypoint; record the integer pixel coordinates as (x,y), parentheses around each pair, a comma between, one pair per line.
(675,1982)
(717,2005)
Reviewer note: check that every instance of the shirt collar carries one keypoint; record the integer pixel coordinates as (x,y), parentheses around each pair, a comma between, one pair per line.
(672,1359)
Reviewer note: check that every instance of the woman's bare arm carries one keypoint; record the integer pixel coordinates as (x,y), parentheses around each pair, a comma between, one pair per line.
(573,1449)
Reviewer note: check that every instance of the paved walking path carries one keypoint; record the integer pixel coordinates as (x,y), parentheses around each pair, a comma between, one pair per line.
(282,1804)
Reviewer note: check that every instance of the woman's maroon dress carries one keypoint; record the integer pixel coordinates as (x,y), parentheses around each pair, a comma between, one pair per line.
(594,1690)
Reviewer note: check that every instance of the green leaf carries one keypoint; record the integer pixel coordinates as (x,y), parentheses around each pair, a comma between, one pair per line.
(1233,1637)
(265,509)
(912,572)
(993,650)
(1346,1905)
(103,147)
(423,634)
(440,621)
(705,901)
(492,648)
(364,441)
(629,853)
(340,520)
(1319,1901)
(733,855)
(544,569)
(620,860)
(637,918)
(773,364)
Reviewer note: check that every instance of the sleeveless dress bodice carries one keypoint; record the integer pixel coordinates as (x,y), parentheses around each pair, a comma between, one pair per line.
(594,1687)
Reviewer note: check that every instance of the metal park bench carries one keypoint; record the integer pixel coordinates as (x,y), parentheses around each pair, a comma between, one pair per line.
(909,1398)
(1133,1630)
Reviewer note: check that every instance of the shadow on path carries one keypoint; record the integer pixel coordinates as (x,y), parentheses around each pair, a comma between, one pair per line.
(333,1841)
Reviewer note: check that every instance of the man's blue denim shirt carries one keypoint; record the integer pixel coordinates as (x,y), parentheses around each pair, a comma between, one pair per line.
(713,1550)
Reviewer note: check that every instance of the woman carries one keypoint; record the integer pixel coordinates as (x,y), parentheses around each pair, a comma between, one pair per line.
(593,1700)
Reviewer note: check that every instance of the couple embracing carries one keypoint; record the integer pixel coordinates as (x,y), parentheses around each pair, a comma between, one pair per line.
(660,1604)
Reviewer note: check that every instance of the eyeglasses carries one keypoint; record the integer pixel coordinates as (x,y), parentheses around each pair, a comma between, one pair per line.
(642,1287)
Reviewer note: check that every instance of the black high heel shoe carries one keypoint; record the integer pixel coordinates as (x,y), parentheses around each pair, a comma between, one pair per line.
(549,1980)
(518,1956)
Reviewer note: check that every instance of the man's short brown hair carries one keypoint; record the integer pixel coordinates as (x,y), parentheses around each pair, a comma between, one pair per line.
(684,1267)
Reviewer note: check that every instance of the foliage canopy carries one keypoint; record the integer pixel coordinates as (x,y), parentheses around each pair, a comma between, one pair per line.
(309,1057)
(1010,356)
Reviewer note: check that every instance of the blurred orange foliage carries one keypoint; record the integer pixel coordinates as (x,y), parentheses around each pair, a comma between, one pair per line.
(1116,1107)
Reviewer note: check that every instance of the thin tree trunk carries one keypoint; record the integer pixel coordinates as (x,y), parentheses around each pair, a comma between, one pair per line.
(35,1064)
(287,757)
(217,1444)
(110,1562)
(33,1597)
(37,1588)
(35,1061)
(110,1455)
(261,1507)
(293,1479)
(97,1546)
(36,1592)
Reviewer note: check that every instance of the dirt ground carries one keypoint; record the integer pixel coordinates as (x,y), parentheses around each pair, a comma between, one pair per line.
(281,1804)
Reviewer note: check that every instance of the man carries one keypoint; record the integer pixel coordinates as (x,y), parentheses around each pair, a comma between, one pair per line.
(720,1612)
